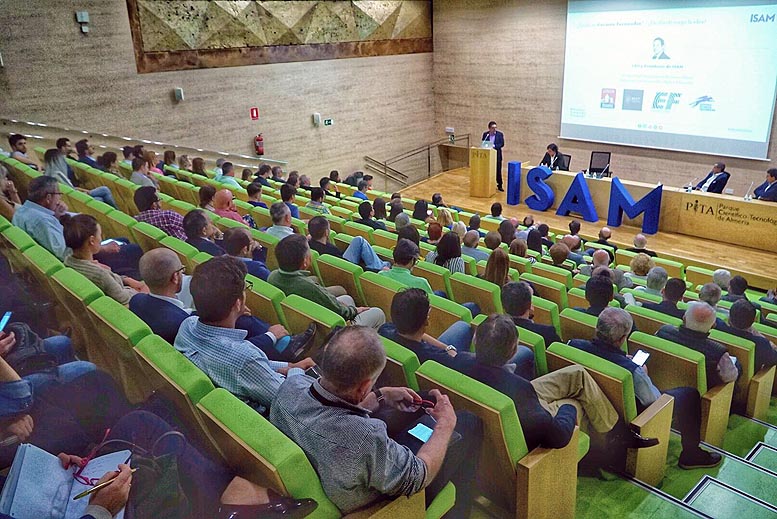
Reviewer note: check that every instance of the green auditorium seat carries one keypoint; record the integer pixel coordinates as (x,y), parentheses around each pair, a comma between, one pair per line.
(546,312)
(264,300)
(124,193)
(117,224)
(334,271)
(647,465)
(268,241)
(120,330)
(77,202)
(358,229)
(642,296)
(558,274)
(547,288)
(471,265)
(16,241)
(623,256)
(401,365)
(184,251)
(537,484)
(522,265)
(576,298)
(5,223)
(384,238)
(300,313)
(342,241)
(98,209)
(577,325)
(74,292)
(467,288)
(437,276)
(379,291)
(443,313)
(384,253)
(673,365)
(42,265)
(336,223)
(147,235)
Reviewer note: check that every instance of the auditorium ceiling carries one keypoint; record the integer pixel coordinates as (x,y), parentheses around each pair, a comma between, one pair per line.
(177,35)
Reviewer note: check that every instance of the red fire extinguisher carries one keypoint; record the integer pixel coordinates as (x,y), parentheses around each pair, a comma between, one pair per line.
(259,144)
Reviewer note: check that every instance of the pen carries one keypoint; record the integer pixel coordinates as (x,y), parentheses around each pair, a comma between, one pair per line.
(98,487)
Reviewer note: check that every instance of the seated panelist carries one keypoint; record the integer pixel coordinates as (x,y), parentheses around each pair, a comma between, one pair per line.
(715,180)
(553,159)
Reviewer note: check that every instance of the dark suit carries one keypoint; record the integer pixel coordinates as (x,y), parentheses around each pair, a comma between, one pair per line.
(499,142)
(559,164)
(548,332)
(765,355)
(767,192)
(372,222)
(665,307)
(644,251)
(718,184)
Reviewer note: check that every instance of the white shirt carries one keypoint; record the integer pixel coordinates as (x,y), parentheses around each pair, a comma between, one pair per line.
(709,182)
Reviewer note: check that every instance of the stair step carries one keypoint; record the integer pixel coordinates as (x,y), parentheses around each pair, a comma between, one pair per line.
(717,499)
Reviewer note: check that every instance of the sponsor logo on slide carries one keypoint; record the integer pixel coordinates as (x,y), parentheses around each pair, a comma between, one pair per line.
(632,99)
(704,104)
(665,100)
(608,98)
(757,18)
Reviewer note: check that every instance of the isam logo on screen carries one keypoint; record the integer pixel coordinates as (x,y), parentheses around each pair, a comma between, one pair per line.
(756,18)
(665,100)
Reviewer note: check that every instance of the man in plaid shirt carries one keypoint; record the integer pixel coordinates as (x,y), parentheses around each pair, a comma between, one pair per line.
(147,202)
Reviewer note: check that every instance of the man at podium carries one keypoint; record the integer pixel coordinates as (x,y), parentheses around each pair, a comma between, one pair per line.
(496,140)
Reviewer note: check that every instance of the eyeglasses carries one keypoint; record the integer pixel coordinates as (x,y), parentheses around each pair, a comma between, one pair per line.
(181,269)
(249,285)
(56,193)
(77,474)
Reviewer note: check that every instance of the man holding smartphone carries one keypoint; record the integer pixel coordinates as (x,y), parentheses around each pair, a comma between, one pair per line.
(331,419)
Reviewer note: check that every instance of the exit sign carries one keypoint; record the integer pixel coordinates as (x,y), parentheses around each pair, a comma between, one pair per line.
(254,112)
(329,122)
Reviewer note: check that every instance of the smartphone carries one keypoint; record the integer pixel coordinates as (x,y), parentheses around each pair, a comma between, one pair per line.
(429,212)
(313,371)
(110,240)
(4,320)
(733,359)
(421,432)
(640,358)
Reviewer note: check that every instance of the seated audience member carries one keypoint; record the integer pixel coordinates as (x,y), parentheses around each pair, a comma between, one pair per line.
(655,281)
(640,266)
(40,217)
(470,246)
(9,195)
(770,297)
(722,278)
(334,175)
(128,152)
(150,157)
(224,206)
(474,225)
(317,201)
(544,230)
(109,162)
(574,227)
(329,187)
(517,303)
(409,232)
(288,196)
(506,231)
(201,233)
(573,243)
(559,253)
(694,333)
(18,145)
(534,241)
(366,212)
(459,228)
(640,242)
(598,293)
(493,240)
(85,152)
(715,180)
(207,193)
(277,174)
(141,175)
(293,179)
(198,166)
(319,414)
(434,233)
(396,208)
(304,182)
(55,166)
(239,244)
(293,277)
(710,293)
(604,236)
(768,190)
(361,190)
(163,311)
(83,235)
(519,248)
(496,211)
(222,352)
(168,159)
(254,191)
(422,212)
(406,255)
(402,220)
(219,163)
(147,202)
(263,173)
(379,208)
(184,163)
(396,196)
(359,251)
(281,221)
(497,267)
(612,329)
(444,217)
(600,259)
(741,317)
(437,200)
(736,290)
(672,294)
(448,254)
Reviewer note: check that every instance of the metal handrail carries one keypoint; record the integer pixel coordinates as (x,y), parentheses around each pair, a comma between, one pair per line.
(382,166)
(425,147)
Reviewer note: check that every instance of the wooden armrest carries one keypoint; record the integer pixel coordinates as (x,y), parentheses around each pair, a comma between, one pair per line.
(413,507)
(547,482)
(648,465)
(759,393)
(715,408)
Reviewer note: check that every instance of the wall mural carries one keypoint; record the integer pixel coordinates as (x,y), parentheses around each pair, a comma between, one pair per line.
(179,35)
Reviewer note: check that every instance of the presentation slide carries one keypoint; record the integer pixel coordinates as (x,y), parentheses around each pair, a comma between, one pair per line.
(678,75)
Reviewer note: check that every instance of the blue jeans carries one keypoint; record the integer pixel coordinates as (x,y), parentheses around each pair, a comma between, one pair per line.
(69,368)
(360,252)
(15,397)
(103,194)
(61,347)
(473,308)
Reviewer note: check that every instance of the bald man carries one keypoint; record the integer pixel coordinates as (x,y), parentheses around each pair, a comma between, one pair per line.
(470,246)
(640,242)
(224,206)
(604,235)
(698,320)
(600,259)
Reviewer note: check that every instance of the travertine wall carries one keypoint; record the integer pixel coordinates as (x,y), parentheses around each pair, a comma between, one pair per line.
(381,106)
(504,60)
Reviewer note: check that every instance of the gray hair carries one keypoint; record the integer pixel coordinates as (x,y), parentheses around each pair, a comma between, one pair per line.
(3,172)
(353,355)
(402,220)
(157,266)
(460,228)
(656,278)
(710,293)
(40,187)
(640,240)
(304,180)
(613,324)
(278,212)
(722,278)
(601,258)
(699,317)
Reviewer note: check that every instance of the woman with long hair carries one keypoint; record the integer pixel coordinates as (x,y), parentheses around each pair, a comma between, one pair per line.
(207,193)
(534,241)
(448,253)
(198,166)
(519,248)
(184,163)
(497,267)
(150,157)
(444,218)
(396,210)
(506,231)
(379,207)
(421,211)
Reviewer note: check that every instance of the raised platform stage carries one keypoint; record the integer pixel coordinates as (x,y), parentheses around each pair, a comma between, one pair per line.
(758,266)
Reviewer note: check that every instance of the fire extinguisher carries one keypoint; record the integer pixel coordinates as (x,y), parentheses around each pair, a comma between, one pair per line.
(259,144)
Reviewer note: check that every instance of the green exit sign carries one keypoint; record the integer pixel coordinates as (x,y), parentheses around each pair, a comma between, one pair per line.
(329,122)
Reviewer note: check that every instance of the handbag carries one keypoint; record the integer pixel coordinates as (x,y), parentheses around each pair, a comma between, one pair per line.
(28,355)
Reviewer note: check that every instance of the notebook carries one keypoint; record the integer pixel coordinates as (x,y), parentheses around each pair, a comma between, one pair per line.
(39,488)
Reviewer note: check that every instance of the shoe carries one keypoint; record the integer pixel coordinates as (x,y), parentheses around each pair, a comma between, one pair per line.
(284,507)
(500,189)
(634,440)
(699,459)
(301,344)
